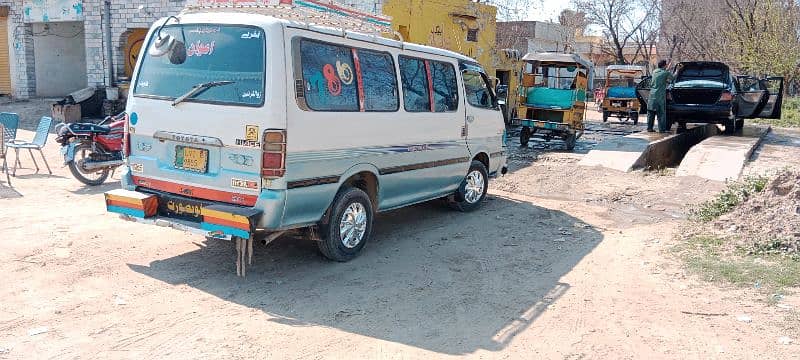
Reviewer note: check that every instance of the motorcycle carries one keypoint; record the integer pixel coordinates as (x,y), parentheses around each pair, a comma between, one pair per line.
(92,151)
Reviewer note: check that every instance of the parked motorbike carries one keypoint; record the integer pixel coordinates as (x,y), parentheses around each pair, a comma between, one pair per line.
(92,151)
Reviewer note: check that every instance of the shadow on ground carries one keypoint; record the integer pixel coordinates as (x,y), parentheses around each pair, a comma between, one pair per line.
(434,279)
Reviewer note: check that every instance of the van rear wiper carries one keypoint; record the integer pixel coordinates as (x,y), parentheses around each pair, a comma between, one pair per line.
(199,88)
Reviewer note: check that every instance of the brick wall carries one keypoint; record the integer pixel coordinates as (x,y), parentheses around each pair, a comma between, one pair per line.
(124,15)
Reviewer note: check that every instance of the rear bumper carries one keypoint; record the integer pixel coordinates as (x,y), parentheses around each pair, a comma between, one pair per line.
(176,224)
(712,114)
(265,215)
(545,125)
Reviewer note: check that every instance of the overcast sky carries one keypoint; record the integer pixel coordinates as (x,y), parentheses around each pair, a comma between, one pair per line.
(546,10)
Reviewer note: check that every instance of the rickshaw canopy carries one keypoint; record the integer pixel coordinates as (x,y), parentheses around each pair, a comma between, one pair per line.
(630,70)
(557,59)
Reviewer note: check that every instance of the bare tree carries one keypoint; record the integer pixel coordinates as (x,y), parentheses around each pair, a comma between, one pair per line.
(619,20)
(572,22)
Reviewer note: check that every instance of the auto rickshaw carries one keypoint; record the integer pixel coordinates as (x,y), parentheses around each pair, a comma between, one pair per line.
(552,98)
(620,99)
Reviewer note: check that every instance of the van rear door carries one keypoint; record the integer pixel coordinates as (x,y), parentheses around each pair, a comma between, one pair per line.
(194,141)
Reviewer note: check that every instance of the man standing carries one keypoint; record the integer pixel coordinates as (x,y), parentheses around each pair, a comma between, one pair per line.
(657,104)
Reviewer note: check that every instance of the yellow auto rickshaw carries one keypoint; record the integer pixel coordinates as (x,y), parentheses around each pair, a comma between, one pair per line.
(552,97)
(620,99)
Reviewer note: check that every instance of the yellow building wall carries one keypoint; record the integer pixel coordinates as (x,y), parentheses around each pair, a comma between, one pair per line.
(445,24)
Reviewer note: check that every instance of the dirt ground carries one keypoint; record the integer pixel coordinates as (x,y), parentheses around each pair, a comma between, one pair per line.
(561,262)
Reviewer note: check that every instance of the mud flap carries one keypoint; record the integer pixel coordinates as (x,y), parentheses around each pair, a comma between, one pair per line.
(237,222)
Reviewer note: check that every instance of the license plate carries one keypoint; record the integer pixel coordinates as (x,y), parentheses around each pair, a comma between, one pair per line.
(191,159)
(180,208)
(616,104)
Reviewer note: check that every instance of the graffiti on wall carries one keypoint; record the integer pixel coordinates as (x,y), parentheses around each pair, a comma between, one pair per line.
(34,11)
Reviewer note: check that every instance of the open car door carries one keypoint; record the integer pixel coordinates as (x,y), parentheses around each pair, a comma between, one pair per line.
(774,101)
(643,93)
(751,97)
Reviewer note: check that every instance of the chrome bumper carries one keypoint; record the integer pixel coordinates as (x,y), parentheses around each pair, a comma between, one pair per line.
(186,226)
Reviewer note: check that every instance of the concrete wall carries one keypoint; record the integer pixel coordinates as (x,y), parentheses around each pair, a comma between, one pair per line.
(59,57)
(444,24)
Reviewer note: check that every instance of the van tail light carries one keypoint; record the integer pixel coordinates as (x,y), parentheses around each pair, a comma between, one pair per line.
(726,96)
(273,154)
(126,139)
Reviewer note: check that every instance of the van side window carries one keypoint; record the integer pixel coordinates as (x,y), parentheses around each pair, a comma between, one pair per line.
(380,81)
(414,76)
(445,91)
(329,77)
(477,90)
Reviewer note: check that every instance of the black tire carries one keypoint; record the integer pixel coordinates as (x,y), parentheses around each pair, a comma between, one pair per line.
(525,136)
(635,117)
(739,124)
(570,141)
(331,244)
(460,199)
(730,126)
(78,174)
(606,114)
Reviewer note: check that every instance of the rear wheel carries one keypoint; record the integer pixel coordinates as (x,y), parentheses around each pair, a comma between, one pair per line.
(730,126)
(570,141)
(76,167)
(472,191)
(635,117)
(525,136)
(606,114)
(739,124)
(349,226)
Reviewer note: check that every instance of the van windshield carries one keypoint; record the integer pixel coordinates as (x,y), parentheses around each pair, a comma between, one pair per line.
(214,53)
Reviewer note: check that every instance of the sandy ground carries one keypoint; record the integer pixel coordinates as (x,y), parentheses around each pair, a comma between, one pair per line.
(561,262)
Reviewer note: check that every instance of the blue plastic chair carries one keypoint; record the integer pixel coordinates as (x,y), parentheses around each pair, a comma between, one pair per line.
(3,153)
(10,122)
(39,140)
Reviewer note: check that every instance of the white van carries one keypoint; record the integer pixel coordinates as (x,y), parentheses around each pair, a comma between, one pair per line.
(265,125)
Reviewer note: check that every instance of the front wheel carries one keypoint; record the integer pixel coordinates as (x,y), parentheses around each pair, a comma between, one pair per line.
(349,226)
(606,114)
(472,191)
(88,177)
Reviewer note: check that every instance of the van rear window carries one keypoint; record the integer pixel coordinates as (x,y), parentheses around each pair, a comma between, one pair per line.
(213,53)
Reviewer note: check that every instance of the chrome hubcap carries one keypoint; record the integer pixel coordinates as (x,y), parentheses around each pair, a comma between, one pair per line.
(353,225)
(474,189)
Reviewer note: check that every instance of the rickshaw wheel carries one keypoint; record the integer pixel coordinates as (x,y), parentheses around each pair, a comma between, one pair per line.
(570,141)
(635,117)
(524,136)
(606,114)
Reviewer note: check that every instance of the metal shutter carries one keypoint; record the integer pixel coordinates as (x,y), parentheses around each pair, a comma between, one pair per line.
(5,69)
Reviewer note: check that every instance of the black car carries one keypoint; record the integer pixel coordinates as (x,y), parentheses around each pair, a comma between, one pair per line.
(707,92)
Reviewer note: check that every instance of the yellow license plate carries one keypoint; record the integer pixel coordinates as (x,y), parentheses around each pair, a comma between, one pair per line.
(191,159)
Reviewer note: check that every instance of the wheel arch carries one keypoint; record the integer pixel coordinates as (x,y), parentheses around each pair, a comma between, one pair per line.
(483,157)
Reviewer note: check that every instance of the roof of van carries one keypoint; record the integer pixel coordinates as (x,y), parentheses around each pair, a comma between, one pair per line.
(314,15)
